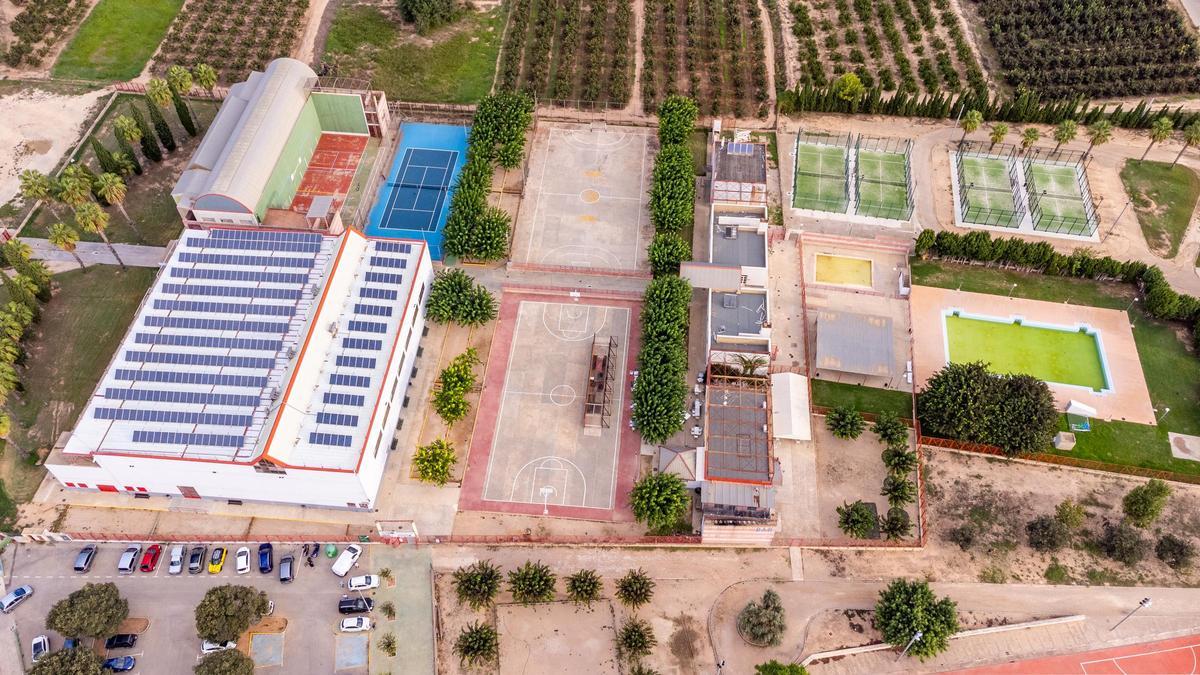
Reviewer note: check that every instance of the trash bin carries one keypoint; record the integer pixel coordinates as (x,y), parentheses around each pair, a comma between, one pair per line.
(331,551)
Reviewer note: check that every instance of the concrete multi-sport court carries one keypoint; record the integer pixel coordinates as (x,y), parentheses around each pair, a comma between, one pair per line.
(530,453)
(585,204)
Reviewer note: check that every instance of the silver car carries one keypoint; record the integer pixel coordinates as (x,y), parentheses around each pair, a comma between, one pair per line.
(176,564)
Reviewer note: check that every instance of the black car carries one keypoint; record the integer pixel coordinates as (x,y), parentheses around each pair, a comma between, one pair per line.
(355,605)
(196,559)
(287,569)
(121,641)
(266,558)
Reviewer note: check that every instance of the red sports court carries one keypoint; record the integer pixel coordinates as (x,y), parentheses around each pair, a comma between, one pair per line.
(1166,657)
(330,170)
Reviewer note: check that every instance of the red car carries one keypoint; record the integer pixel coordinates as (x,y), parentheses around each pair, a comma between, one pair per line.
(150,558)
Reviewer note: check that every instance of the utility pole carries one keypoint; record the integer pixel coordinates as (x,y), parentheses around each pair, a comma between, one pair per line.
(916,636)
(1118,219)
(1144,603)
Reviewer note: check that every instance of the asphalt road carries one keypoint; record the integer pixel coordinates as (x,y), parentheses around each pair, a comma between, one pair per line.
(170,644)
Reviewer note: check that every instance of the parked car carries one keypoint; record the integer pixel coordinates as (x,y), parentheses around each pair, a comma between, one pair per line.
(119,664)
(40,648)
(176,564)
(83,561)
(287,569)
(359,605)
(150,558)
(207,647)
(266,558)
(217,561)
(364,583)
(196,559)
(243,560)
(129,559)
(70,643)
(121,641)
(346,560)
(270,608)
(15,597)
(356,624)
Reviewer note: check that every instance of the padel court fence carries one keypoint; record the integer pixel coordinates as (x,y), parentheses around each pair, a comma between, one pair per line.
(989,185)
(1060,199)
(822,172)
(883,177)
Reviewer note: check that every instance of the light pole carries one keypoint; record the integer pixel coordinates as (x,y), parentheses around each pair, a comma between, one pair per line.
(1013,288)
(916,636)
(1118,219)
(1144,603)
(1166,410)
(1135,299)
(720,666)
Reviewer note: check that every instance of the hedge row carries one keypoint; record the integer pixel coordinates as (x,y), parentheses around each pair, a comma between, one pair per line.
(660,391)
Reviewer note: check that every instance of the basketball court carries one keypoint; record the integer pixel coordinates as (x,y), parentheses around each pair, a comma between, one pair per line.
(586,198)
(330,170)
(531,451)
(1176,656)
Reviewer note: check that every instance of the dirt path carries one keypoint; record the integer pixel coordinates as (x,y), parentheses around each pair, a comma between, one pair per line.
(768,56)
(639,29)
(312,26)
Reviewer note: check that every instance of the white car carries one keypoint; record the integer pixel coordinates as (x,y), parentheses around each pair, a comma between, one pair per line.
(364,583)
(207,647)
(41,647)
(176,565)
(356,624)
(243,560)
(346,560)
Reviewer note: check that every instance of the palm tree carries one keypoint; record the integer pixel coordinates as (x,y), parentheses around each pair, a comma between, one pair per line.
(1191,136)
(750,364)
(1065,132)
(65,237)
(180,80)
(128,128)
(1030,136)
(1159,132)
(970,122)
(37,186)
(74,187)
(112,189)
(125,163)
(159,92)
(93,219)
(1098,134)
(206,77)
(999,131)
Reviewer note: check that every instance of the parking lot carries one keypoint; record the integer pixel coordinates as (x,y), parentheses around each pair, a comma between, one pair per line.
(310,643)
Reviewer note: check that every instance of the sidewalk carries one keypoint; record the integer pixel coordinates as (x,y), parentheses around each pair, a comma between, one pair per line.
(94,253)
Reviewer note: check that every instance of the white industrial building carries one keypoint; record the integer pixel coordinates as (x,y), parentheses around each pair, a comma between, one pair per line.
(262,366)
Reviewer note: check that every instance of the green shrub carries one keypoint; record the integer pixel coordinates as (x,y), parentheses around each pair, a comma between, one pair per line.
(666,252)
(845,422)
(456,380)
(477,644)
(531,583)
(454,296)
(434,463)
(660,392)
(1123,543)
(1047,534)
(659,499)
(890,429)
(899,460)
(1176,552)
(584,587)
(673,190)
(906,607)
(900,491)
(635,589)
(856,520)
(477,584)
(676,119)
(635,639)
(763,622)
(1144,503)
(896,524)
(1070,514)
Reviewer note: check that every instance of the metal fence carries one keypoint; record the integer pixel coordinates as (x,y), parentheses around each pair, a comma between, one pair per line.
(882,208)
(837,199)
(1055,222)
(992,205)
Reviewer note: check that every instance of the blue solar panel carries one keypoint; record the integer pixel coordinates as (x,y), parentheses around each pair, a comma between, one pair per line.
(193,359)
(337,419)
(337,440)
(244,260)
(215,324)
(384,278)
(383,261)
(350,380)
(223,307)
(368,326)
(263,235)
(233,291)
(222,274)
(249,245)
(208,341)
(355,361)
(190,378)
(377,293)
(196,397)
(362,343)
(372,310)
(180,438)
(173,417)
(392,247)
(335,398)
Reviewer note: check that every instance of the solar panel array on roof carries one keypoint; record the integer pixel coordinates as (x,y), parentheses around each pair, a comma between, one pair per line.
(744,149)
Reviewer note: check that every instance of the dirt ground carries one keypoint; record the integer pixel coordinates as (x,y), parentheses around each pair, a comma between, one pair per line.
(848,471)
(999,497)
(557,637)
(39,128)
(837,629)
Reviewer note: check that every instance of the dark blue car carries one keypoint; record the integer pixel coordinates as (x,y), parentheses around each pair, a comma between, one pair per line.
(119,664)
(266,558)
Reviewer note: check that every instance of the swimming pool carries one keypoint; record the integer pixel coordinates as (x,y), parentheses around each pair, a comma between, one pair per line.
(414,199)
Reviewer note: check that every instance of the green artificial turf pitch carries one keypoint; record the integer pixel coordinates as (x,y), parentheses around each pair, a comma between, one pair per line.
(988,192)
(820,178)
(1056,356)
(882,185)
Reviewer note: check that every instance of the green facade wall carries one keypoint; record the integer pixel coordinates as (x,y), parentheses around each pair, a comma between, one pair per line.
(292,162)
(340,113)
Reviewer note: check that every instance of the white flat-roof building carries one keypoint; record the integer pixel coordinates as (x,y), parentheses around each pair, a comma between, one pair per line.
(262,365)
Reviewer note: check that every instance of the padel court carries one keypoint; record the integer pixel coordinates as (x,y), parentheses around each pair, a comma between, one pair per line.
(330,170)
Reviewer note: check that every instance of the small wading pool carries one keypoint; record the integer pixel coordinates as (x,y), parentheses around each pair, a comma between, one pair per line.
(841,270)
(1056,354)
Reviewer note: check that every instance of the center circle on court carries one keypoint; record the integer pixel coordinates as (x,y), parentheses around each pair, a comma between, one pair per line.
(589,196)
(562,395)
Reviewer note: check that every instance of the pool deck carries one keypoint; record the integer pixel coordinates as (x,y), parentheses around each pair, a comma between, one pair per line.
(1129,399)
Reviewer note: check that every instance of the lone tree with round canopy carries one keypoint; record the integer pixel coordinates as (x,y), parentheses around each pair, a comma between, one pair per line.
(908,608)
(93,611)
(228,611)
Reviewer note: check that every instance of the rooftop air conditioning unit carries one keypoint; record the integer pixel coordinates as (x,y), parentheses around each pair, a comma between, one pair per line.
(731,232)
(333,328)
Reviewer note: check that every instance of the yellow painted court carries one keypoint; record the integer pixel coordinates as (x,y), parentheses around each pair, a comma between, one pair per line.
(842,270)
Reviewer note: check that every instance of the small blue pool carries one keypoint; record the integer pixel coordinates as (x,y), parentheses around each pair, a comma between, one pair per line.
(414,200)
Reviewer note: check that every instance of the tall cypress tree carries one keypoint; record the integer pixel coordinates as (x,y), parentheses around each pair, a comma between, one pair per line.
(127,150)
(185,115)
(160,127)
(103,157)
(149,144)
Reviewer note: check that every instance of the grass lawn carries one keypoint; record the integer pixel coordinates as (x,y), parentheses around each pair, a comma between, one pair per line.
(116,40)
(863,399)
(1164,198)
(1171,369)
(1061,356)
(454,65)
(697,142)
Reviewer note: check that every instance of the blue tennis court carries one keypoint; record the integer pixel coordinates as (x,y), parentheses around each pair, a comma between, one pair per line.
(414,200)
